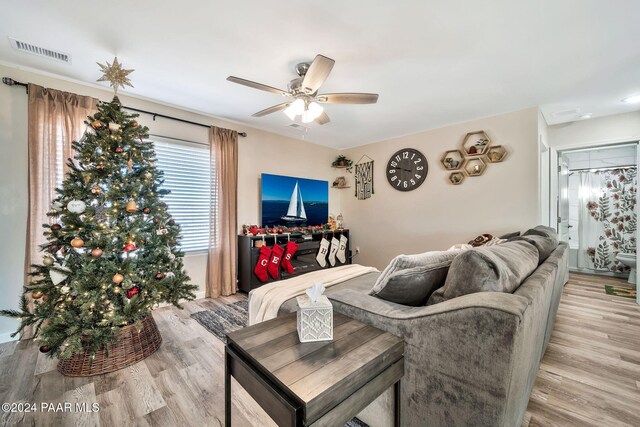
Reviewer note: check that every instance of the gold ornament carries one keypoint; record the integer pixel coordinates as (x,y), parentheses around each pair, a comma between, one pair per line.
(115,75)
(36,294)
(96,124)
(97,253)
(95,190)
(48,261)
(77,242)
(118,278)
(134,124)
(131,206)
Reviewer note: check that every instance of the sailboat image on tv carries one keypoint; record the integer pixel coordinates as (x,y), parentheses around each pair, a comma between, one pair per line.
(296,212)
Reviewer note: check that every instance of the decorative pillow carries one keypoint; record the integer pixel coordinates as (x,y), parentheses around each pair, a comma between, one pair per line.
(545,245)
(500,268)
(481,240)
(402,262)
(510,235)
(414,286)
(495,241)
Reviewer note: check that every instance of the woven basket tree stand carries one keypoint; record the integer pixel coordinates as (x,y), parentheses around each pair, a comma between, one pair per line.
(133,345)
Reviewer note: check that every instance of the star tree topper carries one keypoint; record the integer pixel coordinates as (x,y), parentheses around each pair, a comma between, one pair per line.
(115,75)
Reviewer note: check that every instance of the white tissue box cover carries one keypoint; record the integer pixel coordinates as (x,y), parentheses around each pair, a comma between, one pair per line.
(315,319)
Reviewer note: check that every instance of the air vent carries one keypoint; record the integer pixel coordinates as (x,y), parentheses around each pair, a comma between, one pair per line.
(298,127)
(40,51)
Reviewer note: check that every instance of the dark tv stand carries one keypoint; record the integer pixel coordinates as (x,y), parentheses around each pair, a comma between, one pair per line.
(303,261)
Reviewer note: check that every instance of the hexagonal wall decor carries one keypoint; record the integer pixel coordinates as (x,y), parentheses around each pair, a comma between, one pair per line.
(496,153)
(452,160)
(476,143)
(456,178)
(474,166)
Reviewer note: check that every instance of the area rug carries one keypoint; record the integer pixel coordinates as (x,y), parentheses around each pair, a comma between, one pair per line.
(224,319)
(620,292)
(231,317)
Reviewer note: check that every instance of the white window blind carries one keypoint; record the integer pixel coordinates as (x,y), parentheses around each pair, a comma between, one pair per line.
(187,175)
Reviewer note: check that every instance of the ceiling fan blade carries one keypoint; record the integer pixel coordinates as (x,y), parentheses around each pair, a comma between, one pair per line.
(323,118)
(348,98)
(255,85)
(317,73)
(271,109)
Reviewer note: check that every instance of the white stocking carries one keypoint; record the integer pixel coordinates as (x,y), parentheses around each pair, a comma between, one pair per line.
(332,251)
(342,250)
(322,253)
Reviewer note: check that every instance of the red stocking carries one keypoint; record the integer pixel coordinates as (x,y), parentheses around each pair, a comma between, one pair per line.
(274,261)
(289,251)
(261,266)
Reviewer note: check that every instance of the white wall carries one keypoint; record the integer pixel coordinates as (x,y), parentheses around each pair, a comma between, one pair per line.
(439,214)
(598,131)
(259,152)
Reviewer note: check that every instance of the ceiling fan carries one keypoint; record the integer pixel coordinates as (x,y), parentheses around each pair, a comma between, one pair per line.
(304,99)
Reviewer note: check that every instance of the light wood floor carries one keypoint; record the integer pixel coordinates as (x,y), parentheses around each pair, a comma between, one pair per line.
(590,375)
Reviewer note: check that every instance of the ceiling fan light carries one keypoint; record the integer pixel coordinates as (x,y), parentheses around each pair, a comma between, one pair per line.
(315,110)
(290,112)
(307,117)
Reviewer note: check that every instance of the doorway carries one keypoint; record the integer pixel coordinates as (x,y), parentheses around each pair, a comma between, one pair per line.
(597,209)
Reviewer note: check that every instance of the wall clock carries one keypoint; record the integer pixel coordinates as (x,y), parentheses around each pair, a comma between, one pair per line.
(407,169)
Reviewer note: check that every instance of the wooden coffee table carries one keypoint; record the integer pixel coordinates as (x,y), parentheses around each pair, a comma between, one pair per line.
(318,383)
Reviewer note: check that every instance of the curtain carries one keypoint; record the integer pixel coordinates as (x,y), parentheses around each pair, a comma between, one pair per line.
(222,261)
(608,219)
(55,119)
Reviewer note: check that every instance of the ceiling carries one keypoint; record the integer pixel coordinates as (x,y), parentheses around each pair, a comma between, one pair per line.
(432,62)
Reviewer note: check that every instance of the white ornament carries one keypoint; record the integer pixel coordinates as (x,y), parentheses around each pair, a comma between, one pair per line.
(57,205)
(172,257)
(170,275)
(162,231)
(76,206)
(114,127)
(65,289)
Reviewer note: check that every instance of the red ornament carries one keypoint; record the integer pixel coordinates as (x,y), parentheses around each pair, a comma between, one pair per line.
(100,166)
(119,150)
(44,349)
(129,247)
(131,292)
(160,276)
(56,227)
(146,210)
(280,230)
(171,222)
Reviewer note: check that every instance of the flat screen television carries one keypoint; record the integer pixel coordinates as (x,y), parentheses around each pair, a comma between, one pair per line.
(293,201)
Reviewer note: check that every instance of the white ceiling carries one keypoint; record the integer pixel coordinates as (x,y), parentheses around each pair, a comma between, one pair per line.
(432,62)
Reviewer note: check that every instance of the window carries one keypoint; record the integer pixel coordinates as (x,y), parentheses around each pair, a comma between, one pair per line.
(187,174)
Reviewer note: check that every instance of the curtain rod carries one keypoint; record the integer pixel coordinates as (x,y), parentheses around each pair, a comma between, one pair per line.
(600,169)
(10,82)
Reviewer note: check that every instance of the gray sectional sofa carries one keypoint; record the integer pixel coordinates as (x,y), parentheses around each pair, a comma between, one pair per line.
(470,360)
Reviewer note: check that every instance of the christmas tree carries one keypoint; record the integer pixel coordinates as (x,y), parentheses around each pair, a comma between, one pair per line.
(111,254)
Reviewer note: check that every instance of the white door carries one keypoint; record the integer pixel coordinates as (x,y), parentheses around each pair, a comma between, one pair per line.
(563,198)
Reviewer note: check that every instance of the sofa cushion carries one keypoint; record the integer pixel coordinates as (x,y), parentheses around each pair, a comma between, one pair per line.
(545,245)
(500,268)
(402,262)
(413,286)
(510,235)
(542,230)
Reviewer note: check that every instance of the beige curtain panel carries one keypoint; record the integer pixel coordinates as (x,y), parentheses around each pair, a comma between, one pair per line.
(222,262)
(56,119)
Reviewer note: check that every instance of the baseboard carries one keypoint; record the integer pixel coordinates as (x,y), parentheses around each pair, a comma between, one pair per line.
(6,337)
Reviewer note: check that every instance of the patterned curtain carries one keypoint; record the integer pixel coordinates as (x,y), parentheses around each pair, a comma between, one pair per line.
(611,206)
